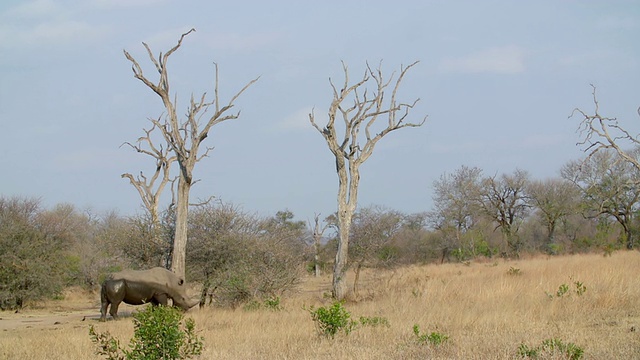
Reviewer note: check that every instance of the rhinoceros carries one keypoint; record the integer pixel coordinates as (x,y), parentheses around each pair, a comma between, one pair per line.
(137,287)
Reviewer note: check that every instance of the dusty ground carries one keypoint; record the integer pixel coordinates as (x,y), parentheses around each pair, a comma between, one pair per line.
(45,319)
(77,307)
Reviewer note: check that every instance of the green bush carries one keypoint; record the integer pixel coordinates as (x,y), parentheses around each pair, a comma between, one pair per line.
(330,321)
(273,303)
(158,334)
(564,289)
(550,348)
(435,338)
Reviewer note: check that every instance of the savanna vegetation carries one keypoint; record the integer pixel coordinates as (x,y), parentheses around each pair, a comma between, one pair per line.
(483,309)
(502,266)
(237,256)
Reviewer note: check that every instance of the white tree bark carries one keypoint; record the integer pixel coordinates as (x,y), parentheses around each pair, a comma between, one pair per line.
(352,149)
(184,137)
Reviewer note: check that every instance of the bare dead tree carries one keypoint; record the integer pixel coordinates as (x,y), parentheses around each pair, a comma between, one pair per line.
(150,189)
(602,132)
(318,232)
(184,136)
(360,109)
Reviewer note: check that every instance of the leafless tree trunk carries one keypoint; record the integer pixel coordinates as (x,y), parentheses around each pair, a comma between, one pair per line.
(184,136)
(359,108)
(318,231)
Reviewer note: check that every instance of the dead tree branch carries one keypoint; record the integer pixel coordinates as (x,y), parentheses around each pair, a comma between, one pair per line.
(599,132)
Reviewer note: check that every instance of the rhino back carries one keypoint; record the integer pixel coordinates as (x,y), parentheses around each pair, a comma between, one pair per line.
(155,277)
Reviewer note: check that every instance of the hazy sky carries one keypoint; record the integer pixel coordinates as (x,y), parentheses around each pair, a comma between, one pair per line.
(497,79)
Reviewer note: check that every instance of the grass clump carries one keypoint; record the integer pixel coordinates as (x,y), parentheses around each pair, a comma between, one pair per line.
(158,334)
(272,303)
(551,348)
(435,338)
(374,321)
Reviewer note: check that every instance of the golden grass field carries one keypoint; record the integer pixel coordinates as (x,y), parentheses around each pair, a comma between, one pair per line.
(486,308)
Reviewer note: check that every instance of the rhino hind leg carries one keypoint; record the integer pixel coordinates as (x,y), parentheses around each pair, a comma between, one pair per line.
(104,299)
(114,310)
(112,295)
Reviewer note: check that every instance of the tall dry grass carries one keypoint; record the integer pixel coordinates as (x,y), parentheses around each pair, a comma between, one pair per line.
(486,308)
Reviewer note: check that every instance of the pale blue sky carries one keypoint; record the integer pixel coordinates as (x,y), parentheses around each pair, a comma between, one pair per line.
(496,78)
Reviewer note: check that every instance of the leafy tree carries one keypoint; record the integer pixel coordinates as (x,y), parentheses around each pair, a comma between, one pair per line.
(359,108)
(504,201)
(372,230)
(31,254)
(455,213)
(554,200)
(238,256)
(609,187)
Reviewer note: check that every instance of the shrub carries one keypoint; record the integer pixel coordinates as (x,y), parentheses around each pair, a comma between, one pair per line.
(158,334)
(238,256)
(580,288)
(551,348)
(435,338)
(28,269)
(563,290)
(514,271)
(273,303)
(330,321)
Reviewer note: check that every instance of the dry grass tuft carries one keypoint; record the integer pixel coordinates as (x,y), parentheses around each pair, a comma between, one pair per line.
(486,308)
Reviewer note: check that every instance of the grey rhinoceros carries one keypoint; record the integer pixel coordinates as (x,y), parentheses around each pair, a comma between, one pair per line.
(137,287)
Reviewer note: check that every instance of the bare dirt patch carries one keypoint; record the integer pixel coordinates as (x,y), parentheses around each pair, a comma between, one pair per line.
(76,307)
(45,319)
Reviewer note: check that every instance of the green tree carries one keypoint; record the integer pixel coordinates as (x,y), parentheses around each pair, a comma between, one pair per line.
(609,187)
(554,200)
(31,254)
(238,256)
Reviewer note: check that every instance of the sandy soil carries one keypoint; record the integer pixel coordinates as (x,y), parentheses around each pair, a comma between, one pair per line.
(46,319)
(77,307)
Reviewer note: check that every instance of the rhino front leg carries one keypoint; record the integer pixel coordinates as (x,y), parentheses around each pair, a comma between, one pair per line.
(161,299)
